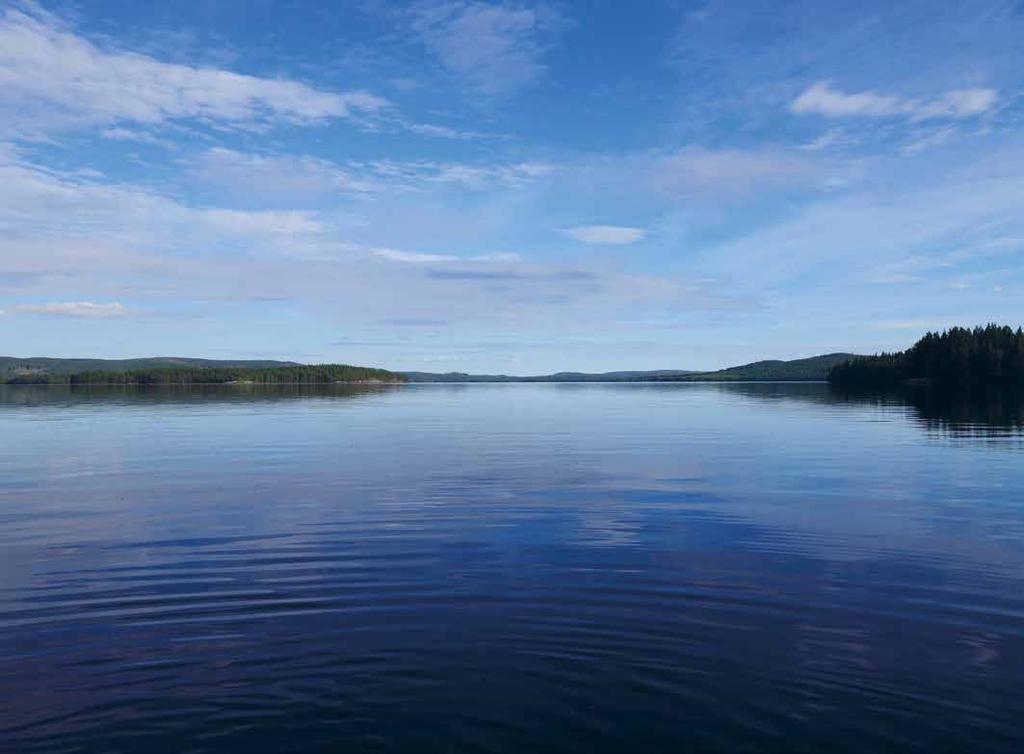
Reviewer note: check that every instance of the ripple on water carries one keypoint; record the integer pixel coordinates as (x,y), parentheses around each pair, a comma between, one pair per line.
(687,568)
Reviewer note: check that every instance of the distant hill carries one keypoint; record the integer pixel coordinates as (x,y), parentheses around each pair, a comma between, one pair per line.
(797,370)
(815,368)
(556,377)
(13,367)
(811,369)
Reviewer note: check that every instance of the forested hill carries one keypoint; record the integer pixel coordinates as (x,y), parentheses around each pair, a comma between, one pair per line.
(959,357)
(170,370)
(318,374)
(815,368)
(12,367)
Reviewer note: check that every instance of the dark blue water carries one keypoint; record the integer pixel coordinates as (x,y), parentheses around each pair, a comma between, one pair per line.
(510,568)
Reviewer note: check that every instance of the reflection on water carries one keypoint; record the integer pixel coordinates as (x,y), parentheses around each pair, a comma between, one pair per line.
(989,412)
(733,567)
(995,410)
(67,395)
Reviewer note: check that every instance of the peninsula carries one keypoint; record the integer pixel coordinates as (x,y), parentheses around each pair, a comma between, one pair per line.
(955,358)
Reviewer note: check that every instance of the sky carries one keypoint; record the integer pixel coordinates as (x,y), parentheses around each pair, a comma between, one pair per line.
(514,187)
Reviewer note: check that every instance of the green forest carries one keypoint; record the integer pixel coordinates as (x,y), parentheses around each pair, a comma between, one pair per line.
(959,357)
(318,374)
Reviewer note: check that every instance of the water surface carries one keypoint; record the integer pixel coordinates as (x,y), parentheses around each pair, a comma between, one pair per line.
(509,568)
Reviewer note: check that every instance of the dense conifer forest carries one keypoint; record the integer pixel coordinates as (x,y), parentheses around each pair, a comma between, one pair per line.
(318,374)
(959,357)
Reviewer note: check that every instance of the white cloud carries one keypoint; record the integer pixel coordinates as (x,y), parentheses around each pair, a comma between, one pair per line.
(469,175)
(51,78)
(612,235)
(414,257)
(822,99)
(75,309)
(473,175)
(494,48)
(960,103)
(141,137)
(446,132)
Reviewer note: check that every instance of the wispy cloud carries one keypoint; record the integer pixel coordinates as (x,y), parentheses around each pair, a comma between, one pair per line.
(51,77)
(141,137)
(696,170)
(520,273)
(890,232)
(40,205)
(414,257)
(75,309)
(609,235)
(496,48)
(71,233)
(697,175)
(282,175)
(468,175)
(899,166)
(447,132)
(822,99)
(925,141)
(278,174)
(263,223)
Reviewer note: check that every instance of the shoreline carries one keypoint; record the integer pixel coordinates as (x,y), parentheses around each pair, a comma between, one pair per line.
(242,383)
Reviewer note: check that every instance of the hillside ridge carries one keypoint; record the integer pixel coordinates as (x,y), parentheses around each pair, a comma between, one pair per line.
(814,368)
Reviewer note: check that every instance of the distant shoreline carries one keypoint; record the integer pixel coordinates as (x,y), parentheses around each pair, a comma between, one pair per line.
(414,382)
(196,371)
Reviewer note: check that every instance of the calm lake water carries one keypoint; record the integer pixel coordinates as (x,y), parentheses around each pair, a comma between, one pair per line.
(509,568)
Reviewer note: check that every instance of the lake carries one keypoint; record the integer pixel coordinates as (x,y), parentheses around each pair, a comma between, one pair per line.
(510,568)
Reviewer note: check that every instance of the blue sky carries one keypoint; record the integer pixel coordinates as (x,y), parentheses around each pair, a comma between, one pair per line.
(504,186)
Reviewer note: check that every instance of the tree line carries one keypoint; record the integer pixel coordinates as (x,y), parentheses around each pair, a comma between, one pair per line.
(958,357)
(317,374)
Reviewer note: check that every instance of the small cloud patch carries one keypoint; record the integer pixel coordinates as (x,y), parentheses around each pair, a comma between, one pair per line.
(75,309)
(822,99)
(606,235)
